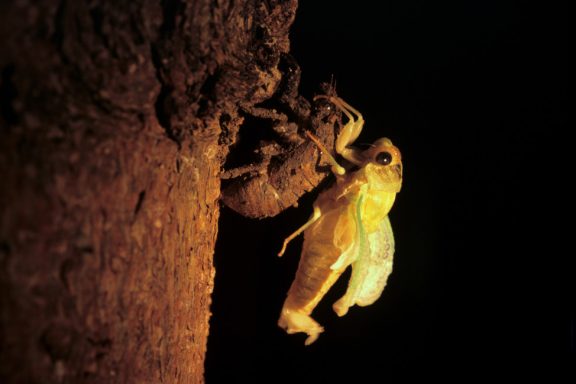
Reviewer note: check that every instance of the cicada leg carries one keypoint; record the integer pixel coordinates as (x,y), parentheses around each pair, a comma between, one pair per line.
(315,216)
(349,132)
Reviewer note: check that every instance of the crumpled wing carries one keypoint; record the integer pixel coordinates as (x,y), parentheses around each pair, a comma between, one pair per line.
(371,268)
(346,237)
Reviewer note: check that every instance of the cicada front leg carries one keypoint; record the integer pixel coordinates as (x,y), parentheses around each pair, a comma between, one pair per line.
(349,132)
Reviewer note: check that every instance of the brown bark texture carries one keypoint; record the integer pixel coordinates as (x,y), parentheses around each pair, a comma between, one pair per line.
(116,120)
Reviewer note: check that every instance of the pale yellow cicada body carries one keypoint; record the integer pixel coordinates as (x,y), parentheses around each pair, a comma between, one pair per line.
(349,227)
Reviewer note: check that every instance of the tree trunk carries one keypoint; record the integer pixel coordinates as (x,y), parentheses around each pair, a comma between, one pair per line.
(116,119)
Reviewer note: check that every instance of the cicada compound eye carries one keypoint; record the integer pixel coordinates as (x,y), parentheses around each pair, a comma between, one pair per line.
(383,158)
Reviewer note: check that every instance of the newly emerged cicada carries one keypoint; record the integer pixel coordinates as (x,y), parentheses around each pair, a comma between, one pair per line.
(349,227)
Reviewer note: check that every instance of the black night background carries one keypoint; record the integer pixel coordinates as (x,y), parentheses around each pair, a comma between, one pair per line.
(473,94)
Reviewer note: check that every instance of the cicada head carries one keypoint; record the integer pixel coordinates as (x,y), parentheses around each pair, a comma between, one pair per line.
(383,164)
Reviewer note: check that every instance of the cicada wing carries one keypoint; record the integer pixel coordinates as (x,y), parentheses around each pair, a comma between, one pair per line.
(357,254)
(371,268)
(378,265)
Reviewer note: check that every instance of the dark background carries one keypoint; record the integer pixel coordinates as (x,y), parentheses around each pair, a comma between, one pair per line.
(474,94)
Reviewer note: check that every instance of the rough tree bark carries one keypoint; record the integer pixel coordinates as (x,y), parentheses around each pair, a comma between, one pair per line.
(116,120)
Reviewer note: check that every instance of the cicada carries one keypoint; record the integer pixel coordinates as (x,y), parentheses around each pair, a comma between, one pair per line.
(348,227)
